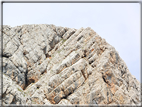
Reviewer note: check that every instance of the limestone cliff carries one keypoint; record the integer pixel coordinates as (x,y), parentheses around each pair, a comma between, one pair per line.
(46,64)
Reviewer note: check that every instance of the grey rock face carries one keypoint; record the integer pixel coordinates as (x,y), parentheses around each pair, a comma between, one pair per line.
(50,65)
(12,93)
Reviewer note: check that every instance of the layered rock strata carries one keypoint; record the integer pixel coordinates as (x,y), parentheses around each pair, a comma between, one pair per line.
(47,64)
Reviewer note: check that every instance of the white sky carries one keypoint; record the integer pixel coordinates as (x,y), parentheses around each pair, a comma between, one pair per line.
(118,23)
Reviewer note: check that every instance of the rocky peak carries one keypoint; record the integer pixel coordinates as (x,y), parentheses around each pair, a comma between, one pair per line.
(48,64)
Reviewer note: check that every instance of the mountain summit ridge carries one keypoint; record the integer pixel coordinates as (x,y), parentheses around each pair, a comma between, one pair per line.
(54,65)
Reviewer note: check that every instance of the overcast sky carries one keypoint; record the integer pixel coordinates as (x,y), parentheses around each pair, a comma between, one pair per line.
(118,23)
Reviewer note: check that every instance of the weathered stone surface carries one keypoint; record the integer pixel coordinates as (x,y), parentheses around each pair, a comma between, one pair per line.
(12,93)
(50,65)
(64,102)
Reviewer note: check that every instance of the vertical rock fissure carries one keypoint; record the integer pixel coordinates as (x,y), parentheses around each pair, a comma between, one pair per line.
(83,74)
(26,80)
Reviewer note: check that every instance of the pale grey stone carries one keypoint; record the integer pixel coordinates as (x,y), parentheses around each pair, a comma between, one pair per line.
(52,65)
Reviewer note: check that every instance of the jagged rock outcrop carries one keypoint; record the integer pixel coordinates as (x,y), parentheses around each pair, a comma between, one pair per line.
(46,64)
